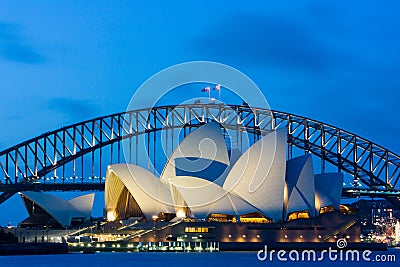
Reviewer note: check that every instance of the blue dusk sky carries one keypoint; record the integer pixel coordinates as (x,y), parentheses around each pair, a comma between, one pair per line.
(63,61)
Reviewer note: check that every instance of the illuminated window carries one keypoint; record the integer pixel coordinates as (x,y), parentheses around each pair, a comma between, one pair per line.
(298,215)
(254,217)
(196,229)
(344,209)
(326,209)
(218,217)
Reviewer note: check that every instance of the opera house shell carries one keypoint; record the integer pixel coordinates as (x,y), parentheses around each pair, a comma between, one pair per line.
(203,181)
(47,210)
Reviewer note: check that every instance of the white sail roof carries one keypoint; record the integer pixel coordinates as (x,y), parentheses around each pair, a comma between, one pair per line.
(328,190)
(300,185)
(258,176)
(84,204)
(260,180)
(151,195)
(202,154)
(60,209)
(204,197)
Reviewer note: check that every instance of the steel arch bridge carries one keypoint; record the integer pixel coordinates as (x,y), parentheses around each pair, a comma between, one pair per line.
(73,158)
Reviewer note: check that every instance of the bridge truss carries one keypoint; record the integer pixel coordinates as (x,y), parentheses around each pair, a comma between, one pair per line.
(75,157)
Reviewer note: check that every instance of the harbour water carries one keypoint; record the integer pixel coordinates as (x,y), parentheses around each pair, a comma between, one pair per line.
(179,259)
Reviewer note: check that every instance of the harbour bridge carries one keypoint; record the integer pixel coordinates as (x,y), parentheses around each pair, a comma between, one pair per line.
(74,158)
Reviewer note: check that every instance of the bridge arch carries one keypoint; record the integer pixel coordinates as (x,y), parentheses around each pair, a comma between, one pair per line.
(375,171)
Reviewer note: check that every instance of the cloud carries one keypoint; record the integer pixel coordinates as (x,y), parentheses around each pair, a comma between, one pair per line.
(14,46)
(75,109)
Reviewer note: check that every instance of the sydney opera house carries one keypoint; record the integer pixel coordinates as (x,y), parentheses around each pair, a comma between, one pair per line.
(46,210)
(206,192)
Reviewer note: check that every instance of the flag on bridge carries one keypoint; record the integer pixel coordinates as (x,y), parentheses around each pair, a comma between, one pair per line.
(218,88)
(206,89)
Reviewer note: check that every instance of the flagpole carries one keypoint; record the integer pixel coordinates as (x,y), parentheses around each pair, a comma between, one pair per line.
(218,87)
(207,89)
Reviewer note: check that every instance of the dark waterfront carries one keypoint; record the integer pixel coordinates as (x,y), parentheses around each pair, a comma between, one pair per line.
(174,259)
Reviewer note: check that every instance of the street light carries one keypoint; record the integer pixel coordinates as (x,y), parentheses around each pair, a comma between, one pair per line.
(155,217)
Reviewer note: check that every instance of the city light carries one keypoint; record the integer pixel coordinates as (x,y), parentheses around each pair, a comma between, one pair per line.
(180,214)
(111,216)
